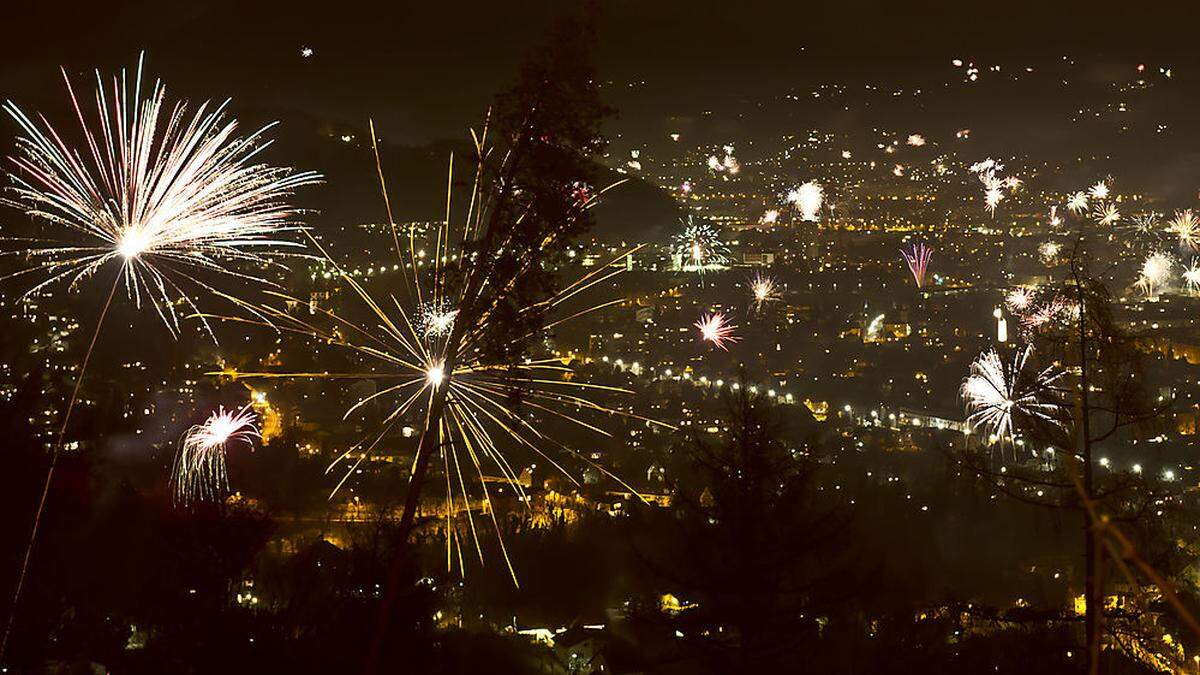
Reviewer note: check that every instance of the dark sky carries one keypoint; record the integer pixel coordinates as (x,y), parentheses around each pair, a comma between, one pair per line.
(426,72)
(424,69)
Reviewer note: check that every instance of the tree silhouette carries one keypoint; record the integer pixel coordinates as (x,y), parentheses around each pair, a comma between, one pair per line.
(1103,403)
(751,542)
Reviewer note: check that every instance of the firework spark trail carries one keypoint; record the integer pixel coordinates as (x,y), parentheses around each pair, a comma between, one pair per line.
(162,205)
(918,256)
(199,472)
(994,393)
(55,452)
(716,329)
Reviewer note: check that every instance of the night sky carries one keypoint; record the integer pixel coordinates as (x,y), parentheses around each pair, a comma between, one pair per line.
(421,67)
(715,70)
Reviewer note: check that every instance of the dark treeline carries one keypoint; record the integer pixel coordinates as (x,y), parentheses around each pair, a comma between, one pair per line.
(770,559)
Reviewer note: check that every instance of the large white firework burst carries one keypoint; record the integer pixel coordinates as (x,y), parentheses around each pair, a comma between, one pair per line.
(1186,226)
(1155,272)
(997,394)
(808,198)
(1019,299)
(162,192)
(200,472)
(1191,276)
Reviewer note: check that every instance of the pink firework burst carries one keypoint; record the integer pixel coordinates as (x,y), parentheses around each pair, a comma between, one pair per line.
(1046,313)
(917,256)
(715,329)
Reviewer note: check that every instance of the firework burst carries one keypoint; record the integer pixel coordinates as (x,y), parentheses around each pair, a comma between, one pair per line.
(1146,223)
(992,197)
(1186,226)
(993,186)
(716,329)
(162,193)
(1048,251)
(808,198)
(436,319)
(1077,202)
(1055,220)
(1191,276)
(727,165)
(1155,272)
(455,378)
(1106,214)
(917,256)
(1046,312)
(764,290)
(199,472)
(996,393)
(163,196)
(1019,299)
(700,247)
